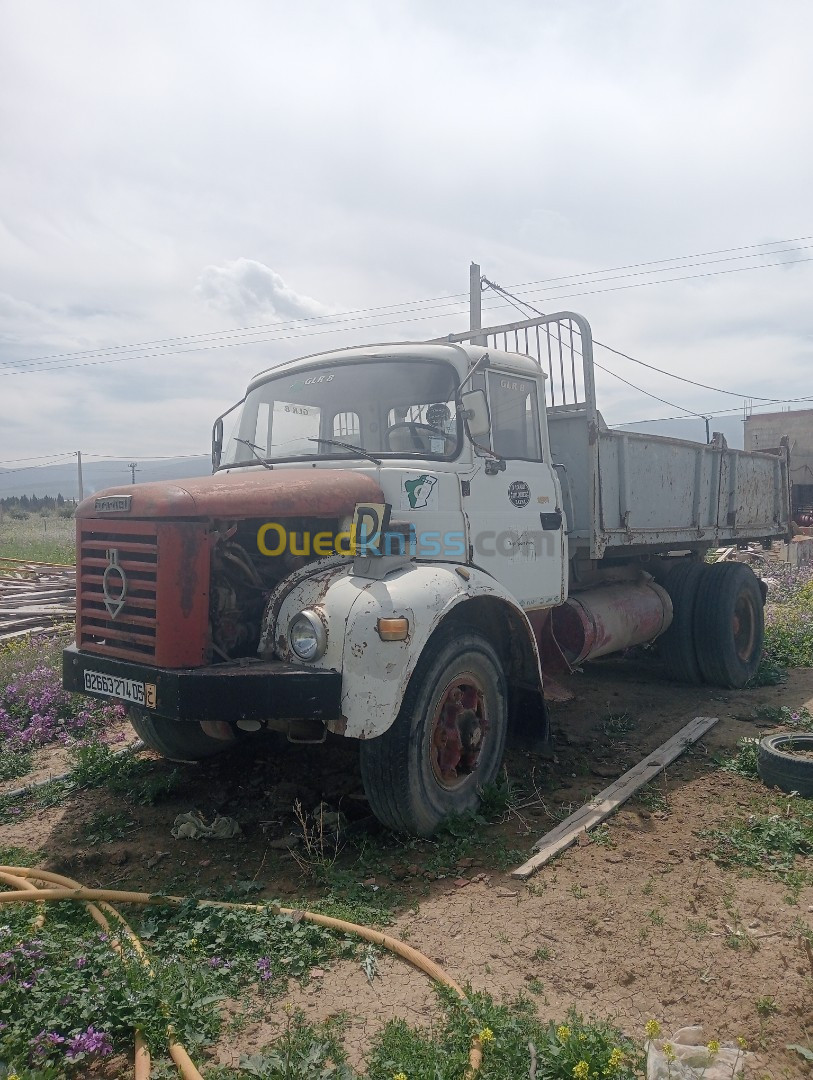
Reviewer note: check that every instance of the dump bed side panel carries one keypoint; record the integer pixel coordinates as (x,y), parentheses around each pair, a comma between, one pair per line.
(659,491)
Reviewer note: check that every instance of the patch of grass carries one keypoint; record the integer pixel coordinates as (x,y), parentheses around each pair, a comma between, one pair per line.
(15,763)
(602,836)
(12,855)
(39,539)
(65,974)
(798,719)
(617,725)
(745,762)
(766,1006)
(96,765)
(104,828)
(515,1044)
(767,843)
(303,1051)
(653,798)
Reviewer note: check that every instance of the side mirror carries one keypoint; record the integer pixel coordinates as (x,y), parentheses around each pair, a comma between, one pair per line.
(476,414)
(217,443)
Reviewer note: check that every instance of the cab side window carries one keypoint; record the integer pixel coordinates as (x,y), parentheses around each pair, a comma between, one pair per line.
(514,417)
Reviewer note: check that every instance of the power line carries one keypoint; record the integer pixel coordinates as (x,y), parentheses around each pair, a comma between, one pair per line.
(57,366)
(626,356)
(641,390)
(717,412)
(675,258)
(164,345)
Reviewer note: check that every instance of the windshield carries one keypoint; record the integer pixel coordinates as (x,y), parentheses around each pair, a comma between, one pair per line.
(395,408)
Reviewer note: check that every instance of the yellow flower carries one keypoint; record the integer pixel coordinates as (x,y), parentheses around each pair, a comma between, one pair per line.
(400,1076)
(562,1032)
(741,1042)
(652,1029)
(486,1035)
(668,1052)
(581,1070)
(12,1076)
(714,1047)
(616,1057)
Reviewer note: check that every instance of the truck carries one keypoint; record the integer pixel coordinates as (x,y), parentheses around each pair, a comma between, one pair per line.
(407,545)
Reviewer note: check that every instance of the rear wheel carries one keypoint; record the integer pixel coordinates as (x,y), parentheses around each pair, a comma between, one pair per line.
(447,741)
(180,740)
(729,624)
(677,644)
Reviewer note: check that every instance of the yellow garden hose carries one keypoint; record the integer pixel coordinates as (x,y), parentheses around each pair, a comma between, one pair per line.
(72,890)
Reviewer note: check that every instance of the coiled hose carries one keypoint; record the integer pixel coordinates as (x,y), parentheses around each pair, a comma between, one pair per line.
(98,903)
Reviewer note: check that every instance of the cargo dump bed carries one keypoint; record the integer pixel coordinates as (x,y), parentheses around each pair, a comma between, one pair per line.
(625,491)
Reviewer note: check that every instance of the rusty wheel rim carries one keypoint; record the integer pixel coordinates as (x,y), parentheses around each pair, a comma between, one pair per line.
(459,731)
(744,627)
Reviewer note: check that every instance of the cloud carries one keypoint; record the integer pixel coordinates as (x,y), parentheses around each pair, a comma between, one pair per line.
(244,288)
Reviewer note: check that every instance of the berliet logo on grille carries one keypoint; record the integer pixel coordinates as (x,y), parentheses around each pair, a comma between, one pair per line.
(112,504)
(111,586)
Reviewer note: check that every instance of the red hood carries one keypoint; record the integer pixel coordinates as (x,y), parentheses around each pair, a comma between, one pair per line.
(260,492)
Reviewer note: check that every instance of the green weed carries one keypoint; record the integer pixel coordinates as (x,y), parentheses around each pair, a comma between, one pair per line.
(745,762)
(14,763)
(768,843)
(105,828)
(617,725)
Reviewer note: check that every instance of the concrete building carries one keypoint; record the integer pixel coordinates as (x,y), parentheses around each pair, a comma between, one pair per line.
(763,432)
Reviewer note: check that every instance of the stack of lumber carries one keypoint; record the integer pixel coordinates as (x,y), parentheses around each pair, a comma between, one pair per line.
(34,597)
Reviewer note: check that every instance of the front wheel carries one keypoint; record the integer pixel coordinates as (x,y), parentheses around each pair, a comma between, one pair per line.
(447,741)
(179,740)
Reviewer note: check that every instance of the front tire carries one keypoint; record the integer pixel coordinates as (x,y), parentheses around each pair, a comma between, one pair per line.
(177,740)
(447,741)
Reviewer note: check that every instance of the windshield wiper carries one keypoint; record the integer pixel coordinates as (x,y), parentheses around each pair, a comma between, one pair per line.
(254,450)
(358,450)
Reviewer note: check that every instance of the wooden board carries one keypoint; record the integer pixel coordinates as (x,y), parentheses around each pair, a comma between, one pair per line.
(606,802)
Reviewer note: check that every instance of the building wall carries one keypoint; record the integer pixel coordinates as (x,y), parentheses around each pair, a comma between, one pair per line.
(764,431)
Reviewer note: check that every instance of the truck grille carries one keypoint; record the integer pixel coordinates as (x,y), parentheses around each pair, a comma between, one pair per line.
(154,608)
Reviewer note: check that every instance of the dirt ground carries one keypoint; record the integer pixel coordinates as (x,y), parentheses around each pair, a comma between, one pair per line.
(637,923)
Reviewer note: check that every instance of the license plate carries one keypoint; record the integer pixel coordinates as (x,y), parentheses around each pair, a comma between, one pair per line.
(140,693)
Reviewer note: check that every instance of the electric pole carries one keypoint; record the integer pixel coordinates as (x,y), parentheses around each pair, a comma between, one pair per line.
(475,302)
(79,474)
(133,467)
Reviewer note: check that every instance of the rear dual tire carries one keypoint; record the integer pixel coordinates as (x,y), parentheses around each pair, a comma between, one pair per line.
(717,629)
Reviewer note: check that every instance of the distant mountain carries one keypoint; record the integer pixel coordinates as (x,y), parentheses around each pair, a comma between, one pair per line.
(62,479)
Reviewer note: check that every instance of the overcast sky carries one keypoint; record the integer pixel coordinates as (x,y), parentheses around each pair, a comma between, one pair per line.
(176,169)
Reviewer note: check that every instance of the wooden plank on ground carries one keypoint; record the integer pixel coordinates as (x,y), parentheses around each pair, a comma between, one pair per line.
(606,802)
(21,633)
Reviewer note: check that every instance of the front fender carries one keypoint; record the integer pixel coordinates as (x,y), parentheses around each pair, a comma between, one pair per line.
(375,673)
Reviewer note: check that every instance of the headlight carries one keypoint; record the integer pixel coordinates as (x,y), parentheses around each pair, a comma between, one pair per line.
(307,635)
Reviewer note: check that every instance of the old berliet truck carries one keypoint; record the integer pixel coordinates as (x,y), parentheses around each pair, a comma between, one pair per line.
(399,543)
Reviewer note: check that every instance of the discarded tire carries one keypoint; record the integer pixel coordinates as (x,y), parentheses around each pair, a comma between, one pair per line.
(790,771)
(676,645)
(728,624)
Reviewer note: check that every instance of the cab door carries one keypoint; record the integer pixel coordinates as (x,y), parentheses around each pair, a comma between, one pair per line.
(513,507)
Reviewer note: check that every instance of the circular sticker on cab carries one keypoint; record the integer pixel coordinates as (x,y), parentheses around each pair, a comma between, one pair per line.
(519,493)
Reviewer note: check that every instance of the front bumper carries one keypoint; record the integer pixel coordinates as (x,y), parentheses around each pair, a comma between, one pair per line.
(248,690)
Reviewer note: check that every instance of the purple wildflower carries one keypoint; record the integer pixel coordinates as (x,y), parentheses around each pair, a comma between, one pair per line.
(89,1042)
(264,968)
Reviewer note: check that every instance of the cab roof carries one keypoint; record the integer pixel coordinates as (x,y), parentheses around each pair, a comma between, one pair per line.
(461,356)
